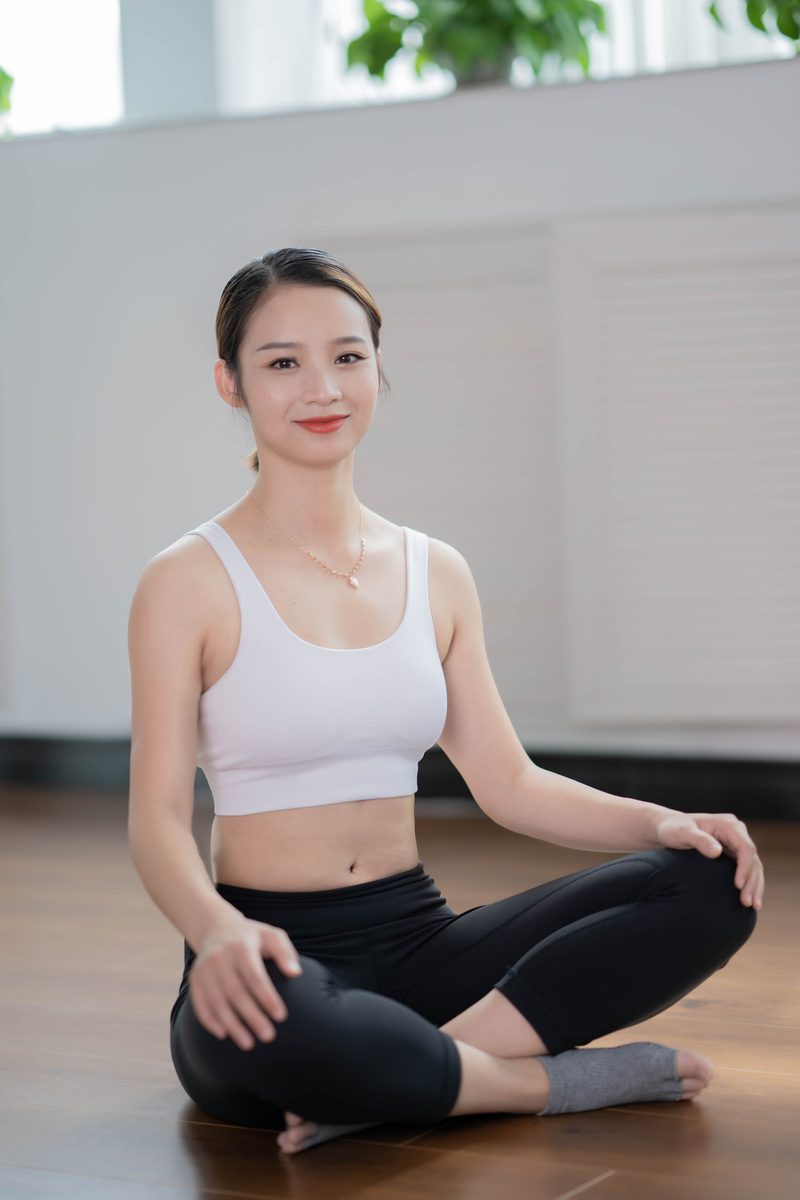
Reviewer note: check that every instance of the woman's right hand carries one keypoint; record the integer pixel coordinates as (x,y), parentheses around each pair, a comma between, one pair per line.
(230,988)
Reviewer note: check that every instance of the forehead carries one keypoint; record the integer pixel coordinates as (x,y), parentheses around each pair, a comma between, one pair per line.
(307,312)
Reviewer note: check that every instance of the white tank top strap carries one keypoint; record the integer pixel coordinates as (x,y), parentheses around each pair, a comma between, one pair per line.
(417,564)
(245,582)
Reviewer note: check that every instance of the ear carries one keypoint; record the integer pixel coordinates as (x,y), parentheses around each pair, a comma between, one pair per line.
(379,354)
(226,383)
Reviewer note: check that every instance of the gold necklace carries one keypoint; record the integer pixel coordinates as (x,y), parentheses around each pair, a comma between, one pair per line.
(350,575)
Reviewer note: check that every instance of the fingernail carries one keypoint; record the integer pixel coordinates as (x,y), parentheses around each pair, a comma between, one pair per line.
(294,965)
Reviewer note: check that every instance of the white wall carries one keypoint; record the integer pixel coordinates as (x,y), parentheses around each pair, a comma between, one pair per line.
(115,247)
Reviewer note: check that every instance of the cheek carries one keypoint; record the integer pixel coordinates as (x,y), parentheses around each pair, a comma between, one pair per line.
(369,384)
(273,388)
(366,396)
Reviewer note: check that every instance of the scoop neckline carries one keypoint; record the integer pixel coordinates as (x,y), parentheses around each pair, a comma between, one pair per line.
(315,645)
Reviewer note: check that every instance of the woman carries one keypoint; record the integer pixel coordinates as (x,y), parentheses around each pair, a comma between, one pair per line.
(306,651)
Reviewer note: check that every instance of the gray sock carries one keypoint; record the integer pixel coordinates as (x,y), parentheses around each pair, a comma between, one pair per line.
(326,1133)
(631,1074)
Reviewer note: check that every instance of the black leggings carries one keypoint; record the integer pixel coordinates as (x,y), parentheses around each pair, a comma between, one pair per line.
(387,962)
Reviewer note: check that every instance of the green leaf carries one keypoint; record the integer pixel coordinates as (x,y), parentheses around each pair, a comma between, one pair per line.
(755,14)
(571,42)
(380,42)
(713,12)
(374,11)
(596,14)
(5,90)
(787,23)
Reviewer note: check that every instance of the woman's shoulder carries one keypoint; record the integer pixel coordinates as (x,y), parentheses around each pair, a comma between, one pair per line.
(443,558)
(180,578)
(448,561)
(452,589)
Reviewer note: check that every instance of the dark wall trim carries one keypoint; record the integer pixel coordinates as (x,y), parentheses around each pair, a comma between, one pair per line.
(749,788)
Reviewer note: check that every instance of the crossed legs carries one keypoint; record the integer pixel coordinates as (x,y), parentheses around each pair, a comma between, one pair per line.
(508,1082)
(584,955)
(499,1047)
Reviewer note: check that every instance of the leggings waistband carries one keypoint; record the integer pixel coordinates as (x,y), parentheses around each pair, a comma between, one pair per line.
(357,906)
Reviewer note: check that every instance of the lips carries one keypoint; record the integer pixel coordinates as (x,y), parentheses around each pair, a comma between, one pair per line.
(322,420)
(323,424)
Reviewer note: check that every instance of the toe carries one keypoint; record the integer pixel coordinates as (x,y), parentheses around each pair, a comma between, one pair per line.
(289,1142)
(689,1063)
(695,1072)
(296,1135)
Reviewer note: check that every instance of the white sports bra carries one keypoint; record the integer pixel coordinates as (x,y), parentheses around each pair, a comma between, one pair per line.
(291,724)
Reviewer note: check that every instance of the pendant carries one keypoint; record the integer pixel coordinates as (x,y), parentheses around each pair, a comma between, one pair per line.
(352,580)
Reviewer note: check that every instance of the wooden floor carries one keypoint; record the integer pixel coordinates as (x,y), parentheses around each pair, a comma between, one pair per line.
(90,1107)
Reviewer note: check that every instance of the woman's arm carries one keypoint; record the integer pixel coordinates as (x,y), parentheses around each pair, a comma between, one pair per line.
(166,635)
(557,809)
(165,659)
(481,742)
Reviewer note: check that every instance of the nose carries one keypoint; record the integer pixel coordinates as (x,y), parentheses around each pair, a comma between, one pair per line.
(320,387)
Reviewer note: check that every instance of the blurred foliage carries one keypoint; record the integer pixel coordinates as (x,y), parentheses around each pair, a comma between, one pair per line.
(786,14)
(5,90)
(478,39)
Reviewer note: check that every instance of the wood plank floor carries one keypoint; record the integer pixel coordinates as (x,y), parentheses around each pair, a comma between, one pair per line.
(90,1107)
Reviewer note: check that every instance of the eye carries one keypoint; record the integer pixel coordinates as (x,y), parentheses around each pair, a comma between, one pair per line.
(347,354)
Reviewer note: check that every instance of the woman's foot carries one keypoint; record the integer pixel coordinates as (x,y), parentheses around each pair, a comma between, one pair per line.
(636,1073)
(694,1071)
(301,1134)
(296,1133)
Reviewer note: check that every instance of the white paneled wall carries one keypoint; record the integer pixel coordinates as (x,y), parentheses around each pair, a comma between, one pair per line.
(680,404)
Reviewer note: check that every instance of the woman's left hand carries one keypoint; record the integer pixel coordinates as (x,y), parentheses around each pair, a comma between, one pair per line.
(713,834)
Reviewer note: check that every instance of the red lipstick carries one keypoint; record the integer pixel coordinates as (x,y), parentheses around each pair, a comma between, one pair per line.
(322,424)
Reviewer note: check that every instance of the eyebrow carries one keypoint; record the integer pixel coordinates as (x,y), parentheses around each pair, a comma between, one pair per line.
(340,341)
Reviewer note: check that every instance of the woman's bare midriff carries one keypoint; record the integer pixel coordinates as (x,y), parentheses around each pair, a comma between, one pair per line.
(312,849)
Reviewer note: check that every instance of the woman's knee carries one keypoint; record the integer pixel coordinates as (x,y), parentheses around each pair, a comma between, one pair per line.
(207,1064)
(708,888)
(692,871)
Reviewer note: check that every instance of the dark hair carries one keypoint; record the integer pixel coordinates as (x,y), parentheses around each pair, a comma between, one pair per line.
(248,289)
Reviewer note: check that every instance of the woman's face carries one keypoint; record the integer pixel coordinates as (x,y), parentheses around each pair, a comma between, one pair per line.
(330,368)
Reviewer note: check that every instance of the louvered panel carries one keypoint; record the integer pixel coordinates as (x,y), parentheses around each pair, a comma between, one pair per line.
(684,425)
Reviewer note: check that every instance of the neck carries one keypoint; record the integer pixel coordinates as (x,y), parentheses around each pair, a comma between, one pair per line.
(318,508)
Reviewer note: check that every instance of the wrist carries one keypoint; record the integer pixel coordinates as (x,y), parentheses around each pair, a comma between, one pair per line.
(217,918)
(656,814)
